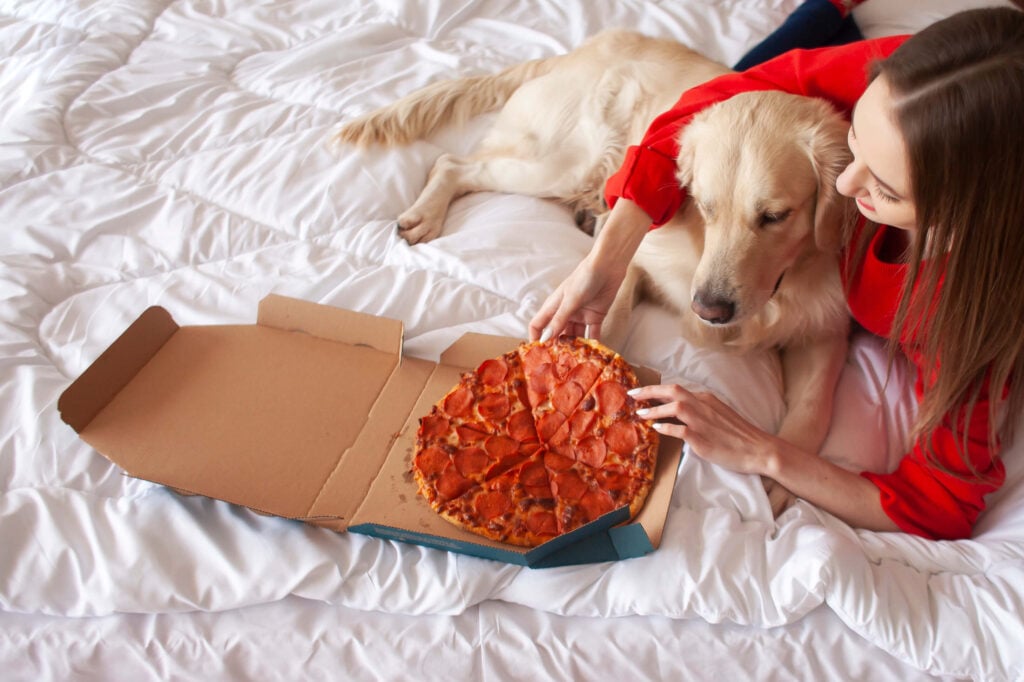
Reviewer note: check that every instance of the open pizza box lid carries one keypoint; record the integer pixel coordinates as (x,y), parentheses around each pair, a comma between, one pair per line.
(309,414)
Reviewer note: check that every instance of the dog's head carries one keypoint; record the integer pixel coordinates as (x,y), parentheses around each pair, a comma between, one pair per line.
(761,168)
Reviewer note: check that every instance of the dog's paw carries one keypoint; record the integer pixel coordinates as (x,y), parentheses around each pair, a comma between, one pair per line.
(416,228)
(779,498)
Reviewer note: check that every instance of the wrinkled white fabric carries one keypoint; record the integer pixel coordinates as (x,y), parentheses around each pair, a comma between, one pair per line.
(175,154)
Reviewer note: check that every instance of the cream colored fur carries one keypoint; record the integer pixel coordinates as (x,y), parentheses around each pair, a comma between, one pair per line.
(761,231)
(762,228)
(563,128)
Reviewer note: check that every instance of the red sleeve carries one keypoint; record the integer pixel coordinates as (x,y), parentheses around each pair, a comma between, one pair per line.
(838,74)
(942,500)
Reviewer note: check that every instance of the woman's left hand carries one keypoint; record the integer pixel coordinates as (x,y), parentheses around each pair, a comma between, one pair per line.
(713,430)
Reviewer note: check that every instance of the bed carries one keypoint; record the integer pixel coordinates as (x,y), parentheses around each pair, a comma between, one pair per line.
(174,154)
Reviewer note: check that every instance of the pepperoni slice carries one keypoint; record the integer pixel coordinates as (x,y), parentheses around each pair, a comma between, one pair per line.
(451,484)
(469,435)
(536,356)
(591,451)
(548,424)
(458,402)
(596,503)
(434,425)
(564,364)
(520,426)
(432,461)
(495,406)
(471,461)
(534,479)
(492,504)
(581,423)
(622,438)
(568,485)
(533,474)
(542,523)
(611,397)
(493,372)
(543,379)
(529,449)
(505,453)
(556,462)
(500,447)
(566,397)
(585,374)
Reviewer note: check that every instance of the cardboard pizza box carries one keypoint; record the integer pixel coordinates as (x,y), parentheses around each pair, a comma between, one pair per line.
(309,414)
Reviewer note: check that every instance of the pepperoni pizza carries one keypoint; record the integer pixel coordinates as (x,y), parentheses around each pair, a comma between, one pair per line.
(536,443)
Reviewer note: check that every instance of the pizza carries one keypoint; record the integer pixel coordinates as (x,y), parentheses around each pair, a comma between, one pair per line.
(536,443)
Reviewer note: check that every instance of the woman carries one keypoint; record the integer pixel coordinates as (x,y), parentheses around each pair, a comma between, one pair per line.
(936,265)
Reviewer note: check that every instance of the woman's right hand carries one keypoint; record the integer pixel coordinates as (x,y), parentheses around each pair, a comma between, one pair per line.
(580,303)
(583,299)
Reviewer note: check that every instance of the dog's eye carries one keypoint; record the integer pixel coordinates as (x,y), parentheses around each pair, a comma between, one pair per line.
(772,217)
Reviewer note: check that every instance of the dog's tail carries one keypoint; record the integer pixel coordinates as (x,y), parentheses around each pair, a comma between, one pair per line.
(443,103)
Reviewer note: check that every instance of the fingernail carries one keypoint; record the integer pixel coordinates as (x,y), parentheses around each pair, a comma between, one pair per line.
(658,426)
(633,391)
(643,411)
(546,335)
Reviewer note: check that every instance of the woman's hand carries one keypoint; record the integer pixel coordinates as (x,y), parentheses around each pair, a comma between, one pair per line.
(713,430)
(580,302)
(716,433)
(584,298)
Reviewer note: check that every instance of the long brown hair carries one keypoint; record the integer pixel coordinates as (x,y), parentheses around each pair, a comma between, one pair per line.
(958,93)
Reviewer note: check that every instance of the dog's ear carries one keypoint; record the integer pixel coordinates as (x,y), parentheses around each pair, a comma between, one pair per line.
(829,155)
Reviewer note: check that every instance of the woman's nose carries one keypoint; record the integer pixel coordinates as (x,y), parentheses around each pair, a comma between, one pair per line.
(851,182)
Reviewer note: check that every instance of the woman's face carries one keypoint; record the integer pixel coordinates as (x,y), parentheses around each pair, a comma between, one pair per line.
(878,178)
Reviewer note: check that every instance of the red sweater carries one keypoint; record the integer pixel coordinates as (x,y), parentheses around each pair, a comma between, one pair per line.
(933,500)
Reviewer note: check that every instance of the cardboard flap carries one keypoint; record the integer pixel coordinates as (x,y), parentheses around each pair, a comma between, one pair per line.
(348,485)
(471,349)
(115,367)
(248,414)
(335,324)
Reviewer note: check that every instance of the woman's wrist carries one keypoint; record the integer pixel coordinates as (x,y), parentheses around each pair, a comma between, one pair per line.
(777,458)
(620,236)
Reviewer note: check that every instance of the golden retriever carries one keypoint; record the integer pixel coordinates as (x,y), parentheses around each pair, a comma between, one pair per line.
(750,261)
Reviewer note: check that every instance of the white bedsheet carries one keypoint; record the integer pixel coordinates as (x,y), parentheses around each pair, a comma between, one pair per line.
(174,153)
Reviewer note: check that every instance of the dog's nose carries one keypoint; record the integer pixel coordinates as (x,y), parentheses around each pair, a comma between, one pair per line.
(713,309)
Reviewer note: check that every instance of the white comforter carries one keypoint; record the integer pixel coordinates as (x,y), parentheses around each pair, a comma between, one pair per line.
(174,153)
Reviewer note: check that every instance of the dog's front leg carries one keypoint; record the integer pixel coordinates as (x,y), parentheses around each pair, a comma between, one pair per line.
(424,220)
(810,372)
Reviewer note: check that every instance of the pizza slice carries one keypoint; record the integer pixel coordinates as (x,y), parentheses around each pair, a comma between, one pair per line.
(606,446)
(482,424)
(515,507)
(559,373)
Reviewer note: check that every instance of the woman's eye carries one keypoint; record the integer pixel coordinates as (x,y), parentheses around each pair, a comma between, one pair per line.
(885,196)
